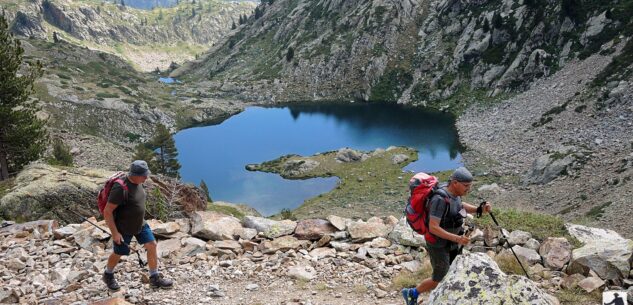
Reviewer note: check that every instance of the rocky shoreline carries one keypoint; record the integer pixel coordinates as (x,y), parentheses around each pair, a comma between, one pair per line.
(220,259)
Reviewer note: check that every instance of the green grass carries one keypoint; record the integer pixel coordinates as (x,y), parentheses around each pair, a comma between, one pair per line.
(597,211)
(540,225)
(226,210)
(578,296)
(406,279)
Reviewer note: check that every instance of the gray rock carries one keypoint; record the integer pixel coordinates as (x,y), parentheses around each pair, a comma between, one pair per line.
(302,272)
(299,167)
(313,229)
(270,228)
(348,155)
(556,252)
(518,237)
(373,228)
(214,226)
(339,223)
(605,252)
(532,244)
(252,287)
(399,158)
(591,283)
(472,273)
(529,255)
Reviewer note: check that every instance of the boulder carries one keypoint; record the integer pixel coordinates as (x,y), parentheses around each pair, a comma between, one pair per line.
(320,253)
(166,228)
(270,228)
(605,252)
(518,237)
(300,272)
(313,229)
(167,247)
(214,226)
(373,228)
(533,244)
(591,283)
(399,158)
(474,278)
(339,223)
(348,155)
(556,252)
(283,243)
(528,255)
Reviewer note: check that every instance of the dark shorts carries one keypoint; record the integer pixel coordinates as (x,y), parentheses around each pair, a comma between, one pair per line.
(441,259)
(143,237)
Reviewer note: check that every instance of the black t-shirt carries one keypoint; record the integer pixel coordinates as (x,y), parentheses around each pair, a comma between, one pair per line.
(129,216)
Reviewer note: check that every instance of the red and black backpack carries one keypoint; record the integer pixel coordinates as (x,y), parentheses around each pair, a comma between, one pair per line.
(422,187)
(102,198)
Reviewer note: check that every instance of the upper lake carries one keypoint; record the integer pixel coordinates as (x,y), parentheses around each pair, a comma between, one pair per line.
(219,153)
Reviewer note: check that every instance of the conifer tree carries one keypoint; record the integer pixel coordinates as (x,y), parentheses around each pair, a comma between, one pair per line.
(23,137)
(205,189)
(233,26)
(166,162)
(143,152)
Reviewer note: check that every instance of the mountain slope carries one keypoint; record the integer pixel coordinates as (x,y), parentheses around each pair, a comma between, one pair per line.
(149,39)
(442,53)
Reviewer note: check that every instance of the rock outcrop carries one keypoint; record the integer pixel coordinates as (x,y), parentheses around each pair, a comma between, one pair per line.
(475,279)
(46,192)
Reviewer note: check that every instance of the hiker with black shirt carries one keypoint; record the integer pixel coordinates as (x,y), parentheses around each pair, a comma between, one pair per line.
(125,216)
(445,220)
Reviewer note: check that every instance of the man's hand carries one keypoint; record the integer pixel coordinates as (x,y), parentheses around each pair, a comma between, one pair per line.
(462,240)
(117,238)
(487,207)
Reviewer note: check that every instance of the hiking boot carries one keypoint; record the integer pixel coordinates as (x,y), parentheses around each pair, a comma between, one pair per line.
(407,294)
(157,281)
(110,281)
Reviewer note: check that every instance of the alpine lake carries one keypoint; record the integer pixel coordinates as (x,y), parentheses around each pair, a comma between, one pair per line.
(219,154)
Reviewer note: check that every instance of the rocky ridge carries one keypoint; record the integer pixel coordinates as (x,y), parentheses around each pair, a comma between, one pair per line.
(220,259)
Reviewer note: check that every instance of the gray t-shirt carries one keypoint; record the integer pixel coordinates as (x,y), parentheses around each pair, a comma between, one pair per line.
(129,216)
(450,218)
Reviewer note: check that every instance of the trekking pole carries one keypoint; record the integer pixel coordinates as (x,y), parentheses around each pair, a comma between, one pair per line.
(504,235)
(138,256)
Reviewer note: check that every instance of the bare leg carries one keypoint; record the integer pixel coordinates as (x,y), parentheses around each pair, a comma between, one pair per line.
(152,255)
(426,285)
(113,259)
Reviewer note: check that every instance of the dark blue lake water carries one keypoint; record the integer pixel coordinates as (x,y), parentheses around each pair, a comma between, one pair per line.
(219,153)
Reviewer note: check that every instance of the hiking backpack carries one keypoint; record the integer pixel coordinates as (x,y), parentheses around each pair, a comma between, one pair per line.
(102,198)
(422,187)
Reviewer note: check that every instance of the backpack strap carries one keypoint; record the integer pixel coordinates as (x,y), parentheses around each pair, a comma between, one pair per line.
(124,187)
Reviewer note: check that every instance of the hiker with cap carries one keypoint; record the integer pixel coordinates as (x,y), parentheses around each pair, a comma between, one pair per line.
(445,219)
(125,216)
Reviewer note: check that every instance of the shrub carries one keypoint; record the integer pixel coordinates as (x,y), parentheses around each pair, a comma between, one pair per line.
(287,214)
(61,154)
